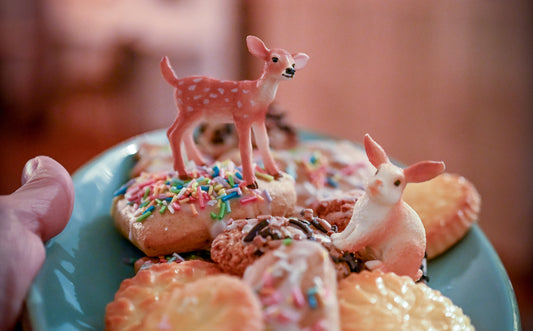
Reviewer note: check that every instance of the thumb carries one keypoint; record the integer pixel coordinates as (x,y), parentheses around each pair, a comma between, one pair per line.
(37,211)
(46,197)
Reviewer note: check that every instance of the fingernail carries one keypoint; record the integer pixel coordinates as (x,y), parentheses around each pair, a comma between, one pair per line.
(30,169)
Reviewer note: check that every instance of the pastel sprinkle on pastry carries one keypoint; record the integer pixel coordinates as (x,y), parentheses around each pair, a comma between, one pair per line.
(447,205)
(297,287)
(386,301)
(162,214)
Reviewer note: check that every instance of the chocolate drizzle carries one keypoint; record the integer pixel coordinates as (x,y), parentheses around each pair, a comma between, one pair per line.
(270,232)
(302,225)
(319,225)
(350,259)
(256,229)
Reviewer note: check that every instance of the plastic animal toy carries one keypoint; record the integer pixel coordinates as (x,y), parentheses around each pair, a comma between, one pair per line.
(383,226)
(244,103)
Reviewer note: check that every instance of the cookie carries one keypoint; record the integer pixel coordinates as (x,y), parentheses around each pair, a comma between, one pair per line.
(218,302)
(191,295)
(148,286)
(322,168)
(447,206)
(385,301)
(215,139)
(245,241)
(162,214)
(296,285)
(152,158)
(337,209)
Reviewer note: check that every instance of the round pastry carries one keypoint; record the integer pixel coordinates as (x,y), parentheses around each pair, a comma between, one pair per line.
(151,158)
(191,295)
(337,209)
(246,240)
(162,214)
(386,301)
(322,168)
(297,287)
(215,139)
(447,205)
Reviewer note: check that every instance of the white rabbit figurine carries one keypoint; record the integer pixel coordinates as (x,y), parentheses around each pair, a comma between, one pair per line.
(382,224)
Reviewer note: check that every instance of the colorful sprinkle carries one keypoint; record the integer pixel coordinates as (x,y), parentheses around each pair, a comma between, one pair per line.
(210,186)
(298,297)
(143,216)
(265,177)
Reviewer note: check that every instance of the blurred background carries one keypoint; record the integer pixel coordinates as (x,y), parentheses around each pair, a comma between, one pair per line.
(443,80)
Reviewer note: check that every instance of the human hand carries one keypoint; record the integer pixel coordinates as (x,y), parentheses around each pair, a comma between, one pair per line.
(34,213)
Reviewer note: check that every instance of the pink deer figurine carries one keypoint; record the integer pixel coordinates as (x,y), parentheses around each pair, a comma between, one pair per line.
(383,226)
(243,102)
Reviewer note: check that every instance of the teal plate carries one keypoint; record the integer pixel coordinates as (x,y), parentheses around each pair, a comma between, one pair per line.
(85,263)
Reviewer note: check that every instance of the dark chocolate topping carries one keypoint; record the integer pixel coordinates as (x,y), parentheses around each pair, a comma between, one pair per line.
(255,230)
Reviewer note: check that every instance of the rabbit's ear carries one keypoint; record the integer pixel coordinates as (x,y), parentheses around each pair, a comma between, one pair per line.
(376,154)
(422,171)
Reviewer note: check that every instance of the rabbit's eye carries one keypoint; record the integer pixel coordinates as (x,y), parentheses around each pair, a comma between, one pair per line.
(397,182)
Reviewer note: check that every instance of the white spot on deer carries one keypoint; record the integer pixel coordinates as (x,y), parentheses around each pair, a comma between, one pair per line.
(245,91)
(189,108)
(207,89)
(179,91)
(252,103)
(192,87)
(181,83)
(180,101)
(245,116)
(213,95)
(235,90)
(197,80)
(206,101)
(239,104)
(226,99)
(220,90)
(196,97)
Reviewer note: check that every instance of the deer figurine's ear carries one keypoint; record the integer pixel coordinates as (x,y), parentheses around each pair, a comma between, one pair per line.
(300,59)
(257,47)
(376,154)
(422,171)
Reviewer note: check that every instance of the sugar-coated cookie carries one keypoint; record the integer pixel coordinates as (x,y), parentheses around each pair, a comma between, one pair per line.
(386,301)
(147,286)
(162,214)
(297,287)
(152,158)
(191,295)
(447,206)
(215,139)
(322,168)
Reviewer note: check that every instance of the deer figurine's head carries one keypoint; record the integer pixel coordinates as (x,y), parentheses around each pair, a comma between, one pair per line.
(279,63)
(388,183)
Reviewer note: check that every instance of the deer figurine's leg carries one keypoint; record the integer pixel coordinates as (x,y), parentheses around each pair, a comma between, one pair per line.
(175,135)
(192,151)
(245,147)
(262,141)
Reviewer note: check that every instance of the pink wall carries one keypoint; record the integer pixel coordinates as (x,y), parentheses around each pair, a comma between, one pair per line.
(429,80)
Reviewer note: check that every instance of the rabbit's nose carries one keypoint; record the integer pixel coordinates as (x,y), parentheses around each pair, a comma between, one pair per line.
(374,187)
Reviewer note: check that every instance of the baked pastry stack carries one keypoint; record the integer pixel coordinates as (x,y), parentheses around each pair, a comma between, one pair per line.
(271,263)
